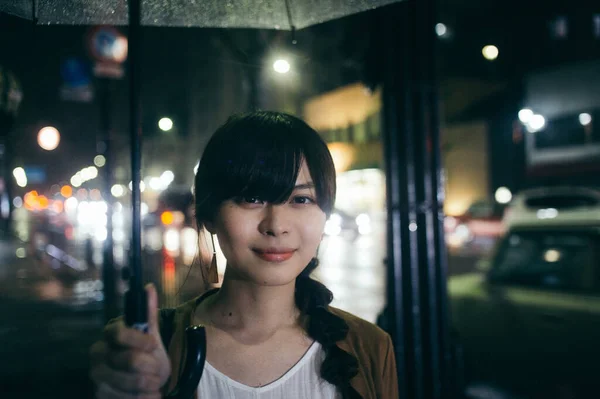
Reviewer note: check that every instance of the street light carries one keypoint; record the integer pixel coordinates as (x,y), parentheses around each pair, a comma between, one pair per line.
(281,66)
(585,119)
(99,160)
(117,190)
(48,138)
(165,124)
(167,178)
(20,177)
(503,195)
(89,173)
(66,191)
(441,29)
(490,52)
(76,180)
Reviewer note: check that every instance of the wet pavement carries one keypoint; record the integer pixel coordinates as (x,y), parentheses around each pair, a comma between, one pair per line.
(44,338)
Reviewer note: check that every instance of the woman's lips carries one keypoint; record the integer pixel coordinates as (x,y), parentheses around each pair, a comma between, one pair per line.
(274,255)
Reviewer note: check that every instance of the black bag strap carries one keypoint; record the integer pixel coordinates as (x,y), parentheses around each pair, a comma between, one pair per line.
(194,365)
(166,327)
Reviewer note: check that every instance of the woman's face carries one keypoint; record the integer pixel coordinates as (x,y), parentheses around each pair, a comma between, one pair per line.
(271,244)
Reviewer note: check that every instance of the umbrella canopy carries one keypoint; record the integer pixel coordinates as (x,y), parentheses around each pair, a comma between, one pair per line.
(261,14)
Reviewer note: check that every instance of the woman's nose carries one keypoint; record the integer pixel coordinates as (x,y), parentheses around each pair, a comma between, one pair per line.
(275,221)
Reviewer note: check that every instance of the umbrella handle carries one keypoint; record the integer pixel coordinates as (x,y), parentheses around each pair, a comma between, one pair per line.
(194,364)
(136,308)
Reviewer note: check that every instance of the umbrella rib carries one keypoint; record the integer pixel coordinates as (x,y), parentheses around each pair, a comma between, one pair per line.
(288,9)
(289,13)
(34,11)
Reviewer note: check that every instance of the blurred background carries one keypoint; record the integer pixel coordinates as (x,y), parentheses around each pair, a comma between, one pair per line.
(519,90)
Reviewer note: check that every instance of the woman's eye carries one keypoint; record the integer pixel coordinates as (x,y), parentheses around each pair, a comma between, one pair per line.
(303,200)
(252,200)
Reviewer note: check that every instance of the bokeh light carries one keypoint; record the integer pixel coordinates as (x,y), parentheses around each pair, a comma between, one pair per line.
(490,52)
(281,66)
(48,138)
(66,191)
(503,195)
(165,124)
(99,161)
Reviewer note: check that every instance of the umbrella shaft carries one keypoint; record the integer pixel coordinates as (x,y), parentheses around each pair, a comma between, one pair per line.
(136,146)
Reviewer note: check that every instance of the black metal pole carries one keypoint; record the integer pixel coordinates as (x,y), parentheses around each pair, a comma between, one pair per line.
(6,181)
(6,122)
(135,304)
(438,273)
(396,112)
(433,253)
(109,275)
(416,250)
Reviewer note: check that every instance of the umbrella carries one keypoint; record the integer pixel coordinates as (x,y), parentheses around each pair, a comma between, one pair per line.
(263,14)
(416,279)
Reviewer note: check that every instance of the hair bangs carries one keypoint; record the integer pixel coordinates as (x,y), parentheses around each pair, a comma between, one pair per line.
(265,166)
(260,155)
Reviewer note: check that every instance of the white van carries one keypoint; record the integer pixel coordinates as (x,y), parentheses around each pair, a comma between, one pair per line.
(554,206)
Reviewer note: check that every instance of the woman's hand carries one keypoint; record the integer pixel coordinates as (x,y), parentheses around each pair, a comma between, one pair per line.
(127,363)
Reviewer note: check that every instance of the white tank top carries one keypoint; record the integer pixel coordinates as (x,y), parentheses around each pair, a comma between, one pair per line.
(303,381)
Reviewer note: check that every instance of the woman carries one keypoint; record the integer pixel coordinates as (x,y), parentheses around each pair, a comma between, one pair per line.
(265,187)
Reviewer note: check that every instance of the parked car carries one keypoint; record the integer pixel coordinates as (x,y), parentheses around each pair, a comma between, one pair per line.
(477,229)
(548,205)
(529,319)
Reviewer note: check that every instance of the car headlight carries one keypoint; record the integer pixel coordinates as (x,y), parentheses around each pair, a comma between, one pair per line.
(459,236)
(171,240)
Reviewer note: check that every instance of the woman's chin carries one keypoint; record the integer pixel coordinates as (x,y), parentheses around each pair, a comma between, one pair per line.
(274,280)
(267,273)
(271,278)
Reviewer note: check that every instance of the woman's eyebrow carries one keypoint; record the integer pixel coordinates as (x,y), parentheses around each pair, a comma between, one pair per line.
(304,186)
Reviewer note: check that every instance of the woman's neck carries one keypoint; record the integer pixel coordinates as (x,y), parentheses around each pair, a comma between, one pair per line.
(242,307)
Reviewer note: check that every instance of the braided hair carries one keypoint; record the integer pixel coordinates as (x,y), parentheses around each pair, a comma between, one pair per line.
(312,298)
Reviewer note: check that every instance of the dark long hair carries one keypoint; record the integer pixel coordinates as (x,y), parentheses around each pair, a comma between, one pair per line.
(261,154)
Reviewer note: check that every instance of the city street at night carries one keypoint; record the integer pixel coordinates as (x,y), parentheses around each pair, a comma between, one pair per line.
(440,158)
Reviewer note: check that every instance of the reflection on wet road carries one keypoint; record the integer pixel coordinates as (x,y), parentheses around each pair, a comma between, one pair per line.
(355,273)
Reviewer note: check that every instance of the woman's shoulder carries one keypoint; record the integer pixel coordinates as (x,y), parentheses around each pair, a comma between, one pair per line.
(360,329)
(373,349)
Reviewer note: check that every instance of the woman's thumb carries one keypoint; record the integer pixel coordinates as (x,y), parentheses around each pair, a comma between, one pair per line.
(152,299)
